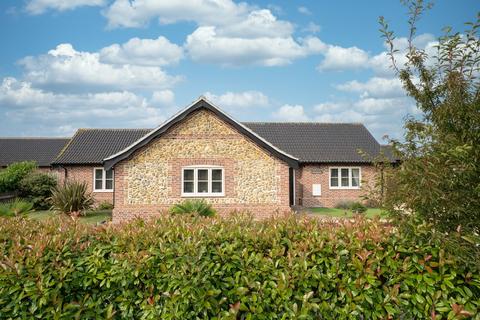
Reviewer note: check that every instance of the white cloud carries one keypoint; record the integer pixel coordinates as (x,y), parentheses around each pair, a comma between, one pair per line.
(375,87)
(227,33)
(67,68)
(40,112)
(143,52)
(290,113)
(381,115)
(239,100)
(342,117)
(329,107)
(304,10)
(259,39)
(258,23)
(379,105)
(163,98)
(137,13)
(312,27)
(339,58)
(381,63)
(205,45)
(41,6)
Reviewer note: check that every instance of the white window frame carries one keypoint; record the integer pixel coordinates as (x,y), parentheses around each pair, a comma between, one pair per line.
(104,180)
(349,178)
(195,192)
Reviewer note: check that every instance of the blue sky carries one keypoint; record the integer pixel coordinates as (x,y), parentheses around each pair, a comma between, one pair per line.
(66,64)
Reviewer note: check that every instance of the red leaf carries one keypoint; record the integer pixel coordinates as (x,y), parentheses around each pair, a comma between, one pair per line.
(235,306)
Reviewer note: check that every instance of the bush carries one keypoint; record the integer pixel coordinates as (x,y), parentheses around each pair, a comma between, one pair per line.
(11,176)
(357,207)
(105,205)
(15,208)
(186,268)
(37,187)
(344,204)
(193,207)
(72,198)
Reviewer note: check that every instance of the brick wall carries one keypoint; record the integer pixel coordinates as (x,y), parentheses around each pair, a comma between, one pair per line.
(308,175)
(84,173)
(149,182)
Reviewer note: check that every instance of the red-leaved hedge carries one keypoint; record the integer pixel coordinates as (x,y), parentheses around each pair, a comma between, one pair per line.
(179,267)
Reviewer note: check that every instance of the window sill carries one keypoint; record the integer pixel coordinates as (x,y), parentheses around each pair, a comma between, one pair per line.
(202,195)
(103,191)
(345,188)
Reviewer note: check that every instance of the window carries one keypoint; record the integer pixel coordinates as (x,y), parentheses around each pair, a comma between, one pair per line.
(345,178)
(202,181)
(102,180)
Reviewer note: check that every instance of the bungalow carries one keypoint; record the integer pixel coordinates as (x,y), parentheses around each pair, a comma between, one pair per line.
(41,150)
(201,152)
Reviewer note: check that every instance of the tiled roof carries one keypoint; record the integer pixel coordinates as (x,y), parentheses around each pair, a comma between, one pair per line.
(91,146)
(202,104)
(309,142)
(388,153)
(41,150)
(319,142)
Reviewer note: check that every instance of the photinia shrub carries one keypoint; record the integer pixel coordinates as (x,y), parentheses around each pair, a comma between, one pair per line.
(178,267)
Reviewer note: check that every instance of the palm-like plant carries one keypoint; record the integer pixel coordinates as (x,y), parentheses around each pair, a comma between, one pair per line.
(15,208)
(193,207)
(72,198)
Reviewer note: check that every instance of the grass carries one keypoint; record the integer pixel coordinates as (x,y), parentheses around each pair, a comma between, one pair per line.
(92,217)
(333,212)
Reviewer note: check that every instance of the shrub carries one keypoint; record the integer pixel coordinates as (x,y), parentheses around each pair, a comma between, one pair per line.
(15,208)
(357,207)
(37,187)
(179,267)
(105,205)
(193,207)
(11,176)
(72,198)
(344,204)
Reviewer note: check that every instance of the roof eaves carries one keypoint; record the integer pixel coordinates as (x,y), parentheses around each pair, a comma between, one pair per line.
(335,161)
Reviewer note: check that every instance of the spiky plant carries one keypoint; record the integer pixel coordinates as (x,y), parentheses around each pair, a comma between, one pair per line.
(72,198)
(15,208)
(193,207)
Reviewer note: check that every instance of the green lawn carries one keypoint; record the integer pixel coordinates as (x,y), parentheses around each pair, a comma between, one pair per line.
(91,217)
(333,212)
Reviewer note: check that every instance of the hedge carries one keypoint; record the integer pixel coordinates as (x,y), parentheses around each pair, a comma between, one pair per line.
(180,267)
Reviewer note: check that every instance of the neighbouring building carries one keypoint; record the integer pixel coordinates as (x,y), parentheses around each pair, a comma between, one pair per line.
(41,150)
(201,152)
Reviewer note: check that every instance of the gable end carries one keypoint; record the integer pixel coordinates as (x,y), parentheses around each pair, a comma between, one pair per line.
(198,105)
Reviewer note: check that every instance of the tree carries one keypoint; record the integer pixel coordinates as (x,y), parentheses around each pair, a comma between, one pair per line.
(439,177)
